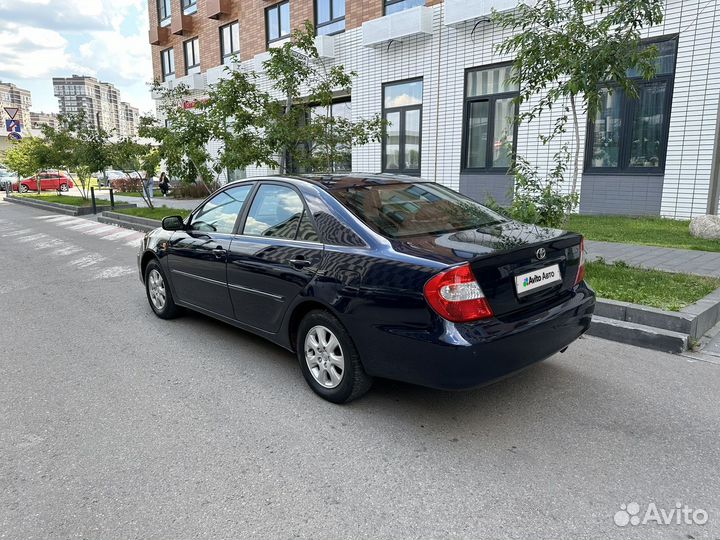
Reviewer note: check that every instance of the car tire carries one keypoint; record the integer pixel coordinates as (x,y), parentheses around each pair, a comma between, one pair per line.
(320,358)
(24,188)
(63,187)
(158,292)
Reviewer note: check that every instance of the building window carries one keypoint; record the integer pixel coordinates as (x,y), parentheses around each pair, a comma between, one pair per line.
(394,6)
(630,135)
(329,17)
(490,109)
(164,8)
(189,7)
(402,109)
(277,22)
(167,59)
(192,56)
(229,41)
(321,159)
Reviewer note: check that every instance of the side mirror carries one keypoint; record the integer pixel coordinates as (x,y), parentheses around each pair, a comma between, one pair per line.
(173,223)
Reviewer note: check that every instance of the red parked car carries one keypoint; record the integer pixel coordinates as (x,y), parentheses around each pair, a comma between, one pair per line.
(49,181)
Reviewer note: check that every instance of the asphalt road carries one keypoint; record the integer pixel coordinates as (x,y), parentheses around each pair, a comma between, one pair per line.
(116,424)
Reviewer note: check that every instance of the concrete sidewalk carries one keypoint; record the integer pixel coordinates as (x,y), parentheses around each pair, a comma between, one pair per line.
(185,204)
(701,263)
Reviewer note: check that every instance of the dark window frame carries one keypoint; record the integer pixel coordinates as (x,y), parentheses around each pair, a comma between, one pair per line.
(490,99)
(401,128)
(164,6)
(191,42)
(164,62)
(224,55)
(387,3)
(628,109)
(280,37)
(332,19)
(251,185)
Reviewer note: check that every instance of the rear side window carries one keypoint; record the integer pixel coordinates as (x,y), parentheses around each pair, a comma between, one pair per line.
(279,212)
(220,213)
(415,209)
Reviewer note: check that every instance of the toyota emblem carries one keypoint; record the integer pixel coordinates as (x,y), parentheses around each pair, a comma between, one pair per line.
(541,253)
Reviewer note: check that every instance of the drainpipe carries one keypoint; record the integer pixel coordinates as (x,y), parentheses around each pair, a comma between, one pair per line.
(715,171)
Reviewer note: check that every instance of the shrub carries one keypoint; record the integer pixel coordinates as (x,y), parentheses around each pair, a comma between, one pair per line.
(126,185)
(193,190)
(540,200)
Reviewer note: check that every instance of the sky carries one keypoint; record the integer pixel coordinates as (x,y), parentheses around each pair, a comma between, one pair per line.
(107,39)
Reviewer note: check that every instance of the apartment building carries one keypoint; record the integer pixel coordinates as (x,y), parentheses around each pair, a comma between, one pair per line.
(129,120)
(432,70)
(40,119)
(15,97)
(100,101)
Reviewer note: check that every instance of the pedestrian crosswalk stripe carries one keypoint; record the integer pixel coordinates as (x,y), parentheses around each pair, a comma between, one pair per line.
(123,233)
(100,230)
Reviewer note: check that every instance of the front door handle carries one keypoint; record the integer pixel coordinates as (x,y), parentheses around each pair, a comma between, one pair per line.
(219,253)
(300,263)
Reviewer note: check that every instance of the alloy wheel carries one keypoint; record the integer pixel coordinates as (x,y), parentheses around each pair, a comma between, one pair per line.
(156,288)
(324,356)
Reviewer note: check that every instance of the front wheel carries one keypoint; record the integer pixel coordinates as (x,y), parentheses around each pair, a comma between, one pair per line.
(24,188)
(158,292)
(329,360)
(63,187)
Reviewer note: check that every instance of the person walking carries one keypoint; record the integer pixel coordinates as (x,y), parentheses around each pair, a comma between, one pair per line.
(164,184)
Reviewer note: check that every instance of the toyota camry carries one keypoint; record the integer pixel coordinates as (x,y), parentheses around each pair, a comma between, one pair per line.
(367,276)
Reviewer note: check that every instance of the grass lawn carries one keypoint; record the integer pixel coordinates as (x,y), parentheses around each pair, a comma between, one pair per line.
(62,199)
(158,212)
(653,288)
(650,231)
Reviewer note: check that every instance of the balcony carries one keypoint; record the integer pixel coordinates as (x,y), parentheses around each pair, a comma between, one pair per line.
(193,82)
(417,21)
(459,11)
(218,73)
(181,24)
(159,35)
(218,8)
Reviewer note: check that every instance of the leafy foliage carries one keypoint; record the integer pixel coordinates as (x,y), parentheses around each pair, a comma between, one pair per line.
(573,49)
(141,160)
(28,156)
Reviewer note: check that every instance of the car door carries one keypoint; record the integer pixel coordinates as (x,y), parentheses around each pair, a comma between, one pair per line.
(274,257)
(45,180)
(197,256)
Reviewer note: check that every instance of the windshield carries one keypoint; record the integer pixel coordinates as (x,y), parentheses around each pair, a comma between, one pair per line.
(415,209)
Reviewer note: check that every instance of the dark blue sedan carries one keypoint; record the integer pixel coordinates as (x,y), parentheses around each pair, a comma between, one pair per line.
(373,276)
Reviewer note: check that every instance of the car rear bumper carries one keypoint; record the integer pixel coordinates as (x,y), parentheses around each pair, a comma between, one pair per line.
(461,356)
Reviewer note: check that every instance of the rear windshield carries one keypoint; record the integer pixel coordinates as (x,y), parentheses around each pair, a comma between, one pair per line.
(415,209)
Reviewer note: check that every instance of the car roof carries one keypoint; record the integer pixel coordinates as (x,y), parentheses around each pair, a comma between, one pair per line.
(332,182)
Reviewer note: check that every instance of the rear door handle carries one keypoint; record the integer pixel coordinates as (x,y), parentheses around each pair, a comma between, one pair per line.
(300,263)
(219,253)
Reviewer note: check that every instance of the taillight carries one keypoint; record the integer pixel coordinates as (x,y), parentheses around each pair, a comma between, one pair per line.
(581,266)
(456,296)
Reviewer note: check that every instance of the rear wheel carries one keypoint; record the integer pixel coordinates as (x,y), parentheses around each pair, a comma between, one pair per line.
(63,187)
(158,292)
(24,188)
(329,360)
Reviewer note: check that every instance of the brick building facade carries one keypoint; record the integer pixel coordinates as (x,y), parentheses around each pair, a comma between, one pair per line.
(657,155)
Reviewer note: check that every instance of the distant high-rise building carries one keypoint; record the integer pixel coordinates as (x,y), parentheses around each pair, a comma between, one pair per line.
(14,96)
(129,119)
(40,119)
(100,101)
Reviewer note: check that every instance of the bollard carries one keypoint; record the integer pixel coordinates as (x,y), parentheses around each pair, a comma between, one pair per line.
(112,199)
(92,194)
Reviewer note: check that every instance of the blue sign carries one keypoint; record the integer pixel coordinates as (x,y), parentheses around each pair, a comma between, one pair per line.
(13,126)
(14,136)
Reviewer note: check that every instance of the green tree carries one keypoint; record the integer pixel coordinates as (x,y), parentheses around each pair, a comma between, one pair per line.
(572,50)
(309,140)
(235,112)
(78,146)
(183,139)
(141,160)
(28,156)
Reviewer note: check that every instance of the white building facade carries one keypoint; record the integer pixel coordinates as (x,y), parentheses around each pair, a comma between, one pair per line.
(434,73)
